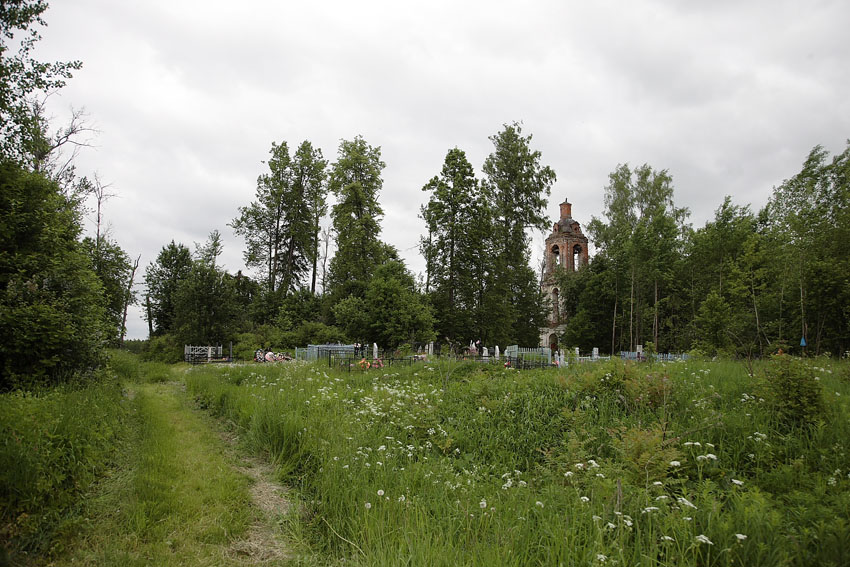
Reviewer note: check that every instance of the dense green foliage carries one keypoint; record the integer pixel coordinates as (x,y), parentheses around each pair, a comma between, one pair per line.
(281,226)
(56,313)
(162,278)
(111,265)
(206,310)
(52,319)
(56,443)
(457,249)
(468,464)
(477,247)
(516,186)
(356,182)
(745,284)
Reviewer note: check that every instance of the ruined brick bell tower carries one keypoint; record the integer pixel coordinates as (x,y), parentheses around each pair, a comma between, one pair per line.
(566,249)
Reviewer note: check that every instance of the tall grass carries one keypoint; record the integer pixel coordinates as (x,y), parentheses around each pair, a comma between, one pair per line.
(131,368)
(53,446)
(678,464)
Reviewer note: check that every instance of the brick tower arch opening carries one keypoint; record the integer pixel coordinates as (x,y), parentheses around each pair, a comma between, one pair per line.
(577,259)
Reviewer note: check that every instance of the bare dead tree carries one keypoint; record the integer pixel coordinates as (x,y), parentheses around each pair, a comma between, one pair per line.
(128,298)
(101,194)
(51,157)
(326,239)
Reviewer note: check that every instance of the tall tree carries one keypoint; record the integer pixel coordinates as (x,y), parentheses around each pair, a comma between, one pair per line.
(392,311)
(113,268)
(279,227)
(642,239)
(206,301)
(209,251)
(355,180)
(309,175)
(265,221)
(810,215)
(723,280)
(453,246)
(162,278)
(52,321)
(516,186)
(22,78)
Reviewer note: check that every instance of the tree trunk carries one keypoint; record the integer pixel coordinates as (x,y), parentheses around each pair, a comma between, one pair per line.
(758,321)
(127,296)
(150,320)
(655,318)
(614,324)
(326,237)
(802,306)
(631,312)
(315,254)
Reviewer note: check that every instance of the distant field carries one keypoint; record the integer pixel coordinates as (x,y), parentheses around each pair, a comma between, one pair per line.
(692,463)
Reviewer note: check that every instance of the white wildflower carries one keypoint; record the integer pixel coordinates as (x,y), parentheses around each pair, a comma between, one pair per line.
(685,502)
(675,463)
(737,482)
(741,537)
(368,505)
(703,539)
(380,492)
(483,504)
(584,499)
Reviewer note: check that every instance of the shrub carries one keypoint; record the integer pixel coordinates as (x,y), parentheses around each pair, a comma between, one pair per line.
(164,348)
(796,397)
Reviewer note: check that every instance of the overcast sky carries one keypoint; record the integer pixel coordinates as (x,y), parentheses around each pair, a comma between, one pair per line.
(188,97)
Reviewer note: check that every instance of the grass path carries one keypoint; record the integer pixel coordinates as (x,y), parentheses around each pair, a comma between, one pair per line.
(181,495)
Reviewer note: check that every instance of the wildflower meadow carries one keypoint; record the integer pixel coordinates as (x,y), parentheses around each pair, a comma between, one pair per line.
(461,463)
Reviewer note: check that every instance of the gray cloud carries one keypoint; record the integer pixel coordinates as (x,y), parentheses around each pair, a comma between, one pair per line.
(189,95)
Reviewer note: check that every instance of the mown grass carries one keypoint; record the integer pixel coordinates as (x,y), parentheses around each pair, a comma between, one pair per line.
(691,463)
(121,471)
(177,500)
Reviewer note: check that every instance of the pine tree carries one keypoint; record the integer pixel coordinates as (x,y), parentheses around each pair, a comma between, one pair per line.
(517,186)
(162,278)
(356,182)
(453,248)
(279,225)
